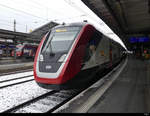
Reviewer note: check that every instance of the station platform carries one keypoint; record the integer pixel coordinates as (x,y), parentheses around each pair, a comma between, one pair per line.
(8,60)
(129,93)
(9,64)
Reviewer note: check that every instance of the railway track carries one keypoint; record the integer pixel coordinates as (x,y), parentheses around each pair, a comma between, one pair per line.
(27,103)
(14,79)
(15,72)
(45,103)
(17,78)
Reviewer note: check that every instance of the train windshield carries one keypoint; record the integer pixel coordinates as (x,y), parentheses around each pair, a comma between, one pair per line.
(61,39)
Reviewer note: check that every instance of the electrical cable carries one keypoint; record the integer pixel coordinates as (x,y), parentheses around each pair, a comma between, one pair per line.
(22,11)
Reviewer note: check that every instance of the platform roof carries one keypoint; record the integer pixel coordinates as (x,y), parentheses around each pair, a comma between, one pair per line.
(124,17)
(41,31)
(34,36)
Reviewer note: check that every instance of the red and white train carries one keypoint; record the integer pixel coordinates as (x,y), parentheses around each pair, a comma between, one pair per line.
(70,55)
(25,50)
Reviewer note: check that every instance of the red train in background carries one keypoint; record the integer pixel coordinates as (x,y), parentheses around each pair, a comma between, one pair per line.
(25,50)
(70,55)
(6,50)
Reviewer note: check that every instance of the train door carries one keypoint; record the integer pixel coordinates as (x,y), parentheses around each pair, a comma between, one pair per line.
(90,55)
(102,52)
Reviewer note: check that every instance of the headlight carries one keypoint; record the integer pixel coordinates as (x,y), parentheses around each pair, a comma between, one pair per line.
(41,58)
(62,58)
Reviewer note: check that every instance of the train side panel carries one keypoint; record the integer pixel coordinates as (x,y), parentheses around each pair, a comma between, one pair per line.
(98,52)
(95,58)
(116,53)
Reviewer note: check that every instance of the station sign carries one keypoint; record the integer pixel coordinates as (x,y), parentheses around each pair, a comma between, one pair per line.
(139,39)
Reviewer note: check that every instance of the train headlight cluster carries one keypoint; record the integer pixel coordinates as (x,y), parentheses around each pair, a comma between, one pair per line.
(41,58)
(62,58)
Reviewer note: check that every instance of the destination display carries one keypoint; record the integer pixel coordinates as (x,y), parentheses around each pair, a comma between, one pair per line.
(139,39)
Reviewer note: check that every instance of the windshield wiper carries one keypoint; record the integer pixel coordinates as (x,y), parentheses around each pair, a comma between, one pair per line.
(51,51)
(49,44)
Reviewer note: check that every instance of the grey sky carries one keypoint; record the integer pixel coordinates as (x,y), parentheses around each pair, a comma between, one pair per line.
(34,13)
(30,14)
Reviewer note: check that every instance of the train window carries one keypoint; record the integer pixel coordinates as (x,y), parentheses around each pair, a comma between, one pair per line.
(19,47)
(92,46)
(48,35)
(60,40)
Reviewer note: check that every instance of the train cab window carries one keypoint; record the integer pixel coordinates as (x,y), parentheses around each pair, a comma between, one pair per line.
(46,39)
(61,39)
(92,46)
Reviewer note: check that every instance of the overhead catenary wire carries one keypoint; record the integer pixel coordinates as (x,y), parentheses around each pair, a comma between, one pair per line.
(44,19)
(58,12)
(22,12)
(11,22)
(25,25)
(6,24)
(44,6)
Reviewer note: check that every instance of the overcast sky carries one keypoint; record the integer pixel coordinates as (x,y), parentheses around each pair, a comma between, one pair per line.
(30,14)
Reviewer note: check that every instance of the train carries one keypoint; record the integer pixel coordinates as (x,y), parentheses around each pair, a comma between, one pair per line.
(69,56)
(5,50)
(25,50)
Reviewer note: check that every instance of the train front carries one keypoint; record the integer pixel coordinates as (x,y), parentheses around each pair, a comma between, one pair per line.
(53,60)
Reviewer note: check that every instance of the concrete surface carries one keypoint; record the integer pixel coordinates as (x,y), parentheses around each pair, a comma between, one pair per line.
(11,60)
(9,64)
(130,93)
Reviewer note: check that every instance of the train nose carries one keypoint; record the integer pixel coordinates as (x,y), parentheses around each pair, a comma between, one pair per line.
(51,63)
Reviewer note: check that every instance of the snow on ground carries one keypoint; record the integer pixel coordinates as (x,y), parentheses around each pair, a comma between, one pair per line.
(15,95)
(11,76)
(15,81)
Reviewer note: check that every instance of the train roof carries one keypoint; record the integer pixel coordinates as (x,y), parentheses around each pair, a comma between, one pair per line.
(72,24)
